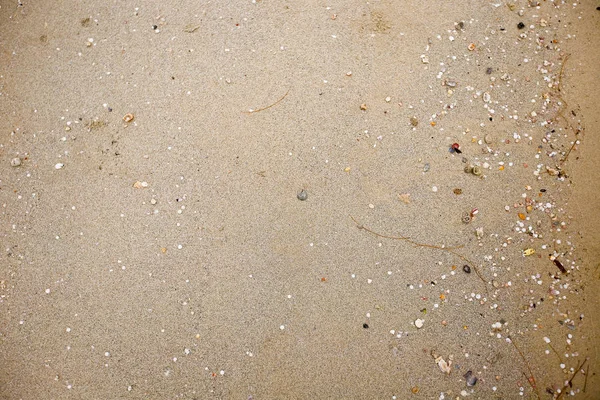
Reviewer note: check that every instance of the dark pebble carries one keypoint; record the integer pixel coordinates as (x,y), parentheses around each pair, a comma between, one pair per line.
(470,378)
(543,190)
(366,326)
(489,71)
(520,25)
(467,269)
(302,195)
(155,27)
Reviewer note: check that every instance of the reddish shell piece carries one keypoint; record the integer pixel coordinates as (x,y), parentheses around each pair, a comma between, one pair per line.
(455,146)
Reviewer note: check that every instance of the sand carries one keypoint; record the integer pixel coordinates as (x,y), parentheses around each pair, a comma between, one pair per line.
(154,245)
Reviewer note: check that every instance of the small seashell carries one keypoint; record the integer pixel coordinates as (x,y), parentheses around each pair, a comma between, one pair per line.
(469,169)
(15,162)
(487,97)
(128,117)
(477,171)
(414,121)
(467,269)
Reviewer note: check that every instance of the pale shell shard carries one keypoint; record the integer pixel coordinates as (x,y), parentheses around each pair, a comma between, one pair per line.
(445,366)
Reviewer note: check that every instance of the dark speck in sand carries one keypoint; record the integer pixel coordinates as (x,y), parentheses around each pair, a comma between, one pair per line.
(366,326)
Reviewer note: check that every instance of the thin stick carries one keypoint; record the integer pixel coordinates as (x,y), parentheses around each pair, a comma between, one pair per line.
(556,352)
(450,250)
(572,147)
(267,107)
(585,381)
(570,381)
(531,380)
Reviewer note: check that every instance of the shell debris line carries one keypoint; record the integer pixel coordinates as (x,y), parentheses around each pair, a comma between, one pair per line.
(213,200)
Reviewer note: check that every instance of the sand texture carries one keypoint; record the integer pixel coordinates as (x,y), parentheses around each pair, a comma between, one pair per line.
(299,199)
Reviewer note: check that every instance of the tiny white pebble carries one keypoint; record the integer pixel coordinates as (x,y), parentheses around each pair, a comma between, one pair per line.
(107,354)
(47,291)
(282,327)
(59,165)
(68,329)
(434,189)
(222,372)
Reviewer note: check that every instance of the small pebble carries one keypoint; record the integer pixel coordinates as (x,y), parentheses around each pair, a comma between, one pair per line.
(488,139)
(466,218)
(59,165)
(419,323)
(467,269)
(414,121)
(15,162)
(302,195)
(366,326)
(489,71)
(520,25)
(426,167)
(470,378)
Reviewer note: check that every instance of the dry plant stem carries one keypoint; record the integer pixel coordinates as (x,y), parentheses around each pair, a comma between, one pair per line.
(559,90)
(556,352)
(571,149)
(531,380)
(269,106)
(570,381)
(450,250)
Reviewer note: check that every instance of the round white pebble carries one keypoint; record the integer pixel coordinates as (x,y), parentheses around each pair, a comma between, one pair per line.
(419,323)
(434,189)
(282,327)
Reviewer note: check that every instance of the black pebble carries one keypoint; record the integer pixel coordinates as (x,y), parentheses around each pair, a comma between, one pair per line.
(366,326)
(489,71)
(155,27)
(467,269)
(598,8)
(520,25)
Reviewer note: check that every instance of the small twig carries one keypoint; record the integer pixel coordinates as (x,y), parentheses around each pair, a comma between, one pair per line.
(570,381)
(267,107)
(531,378)
(571,149)
(450,250)
(556,352)
(585,381)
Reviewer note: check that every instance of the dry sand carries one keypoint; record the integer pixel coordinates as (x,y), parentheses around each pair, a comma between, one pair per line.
(169,257)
